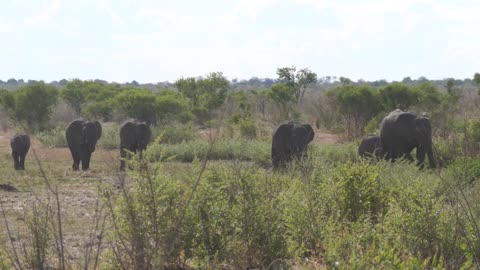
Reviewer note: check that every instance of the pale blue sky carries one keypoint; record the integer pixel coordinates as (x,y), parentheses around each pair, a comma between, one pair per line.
(151,41)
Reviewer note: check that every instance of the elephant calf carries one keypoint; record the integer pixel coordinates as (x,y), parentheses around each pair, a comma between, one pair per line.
(134,137)
(290,141)
(371,146)
(82,136)
(20,144)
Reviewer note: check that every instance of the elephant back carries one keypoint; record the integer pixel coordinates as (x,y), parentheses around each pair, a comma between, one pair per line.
(73,131)
(127,131)
(20,142)
(282,134)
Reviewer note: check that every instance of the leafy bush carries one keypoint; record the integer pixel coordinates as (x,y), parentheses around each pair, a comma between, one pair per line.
(248,129)
(31,105)
(221,150)
(110,137)
(53,137)
(175,133)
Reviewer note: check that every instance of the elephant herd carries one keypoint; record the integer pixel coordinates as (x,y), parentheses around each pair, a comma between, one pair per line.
(82,137)
(400,133)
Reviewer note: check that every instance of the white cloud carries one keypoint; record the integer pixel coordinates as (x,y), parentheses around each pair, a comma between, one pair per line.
(162,17)
(49,9)
(106,6)
(250,9)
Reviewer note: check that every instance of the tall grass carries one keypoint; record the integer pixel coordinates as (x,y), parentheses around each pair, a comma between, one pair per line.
(332,210)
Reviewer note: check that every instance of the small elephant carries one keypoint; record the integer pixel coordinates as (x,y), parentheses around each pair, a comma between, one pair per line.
(290,141)
(401,132)
(134,136)
(20,144)
(82,136)
(371,146)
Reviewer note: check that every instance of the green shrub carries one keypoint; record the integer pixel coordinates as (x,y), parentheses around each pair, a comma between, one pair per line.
(110,137)
(225,149)
(53,137)
(248,129)
(175,134)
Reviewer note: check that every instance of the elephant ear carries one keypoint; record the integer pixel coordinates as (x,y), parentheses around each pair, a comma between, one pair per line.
(98,128)
(282,136)
(283,131)
(310,132)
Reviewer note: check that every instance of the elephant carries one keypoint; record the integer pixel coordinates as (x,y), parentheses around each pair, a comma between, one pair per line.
(290,141)
(134,136)
(20,144)
(401,132)
(371,146)
(82,136)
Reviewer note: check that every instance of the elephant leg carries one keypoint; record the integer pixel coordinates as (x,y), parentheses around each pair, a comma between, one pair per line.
(15,157)
(420,156)
(84,157)
(22,161)
(86,160)
(275,158)
(76,158)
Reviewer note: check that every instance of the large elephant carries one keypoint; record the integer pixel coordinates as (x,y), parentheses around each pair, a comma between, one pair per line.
(290,141)
(20,144)
(134,137)
(371,146)
(401,132)
(82,136)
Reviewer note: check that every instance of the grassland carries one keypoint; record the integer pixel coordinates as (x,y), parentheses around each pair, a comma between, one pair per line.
(332,211)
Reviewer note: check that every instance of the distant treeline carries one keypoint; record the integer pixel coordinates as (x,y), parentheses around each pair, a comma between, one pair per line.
(253,82)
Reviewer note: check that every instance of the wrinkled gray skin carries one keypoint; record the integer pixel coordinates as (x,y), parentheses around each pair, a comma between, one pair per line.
(371,146)
(82,136)
(401,132)
(20,144)
(290,141)
(134,137)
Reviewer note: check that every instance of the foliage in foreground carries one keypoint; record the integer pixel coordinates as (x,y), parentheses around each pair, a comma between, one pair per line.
(333,209)
(351,215)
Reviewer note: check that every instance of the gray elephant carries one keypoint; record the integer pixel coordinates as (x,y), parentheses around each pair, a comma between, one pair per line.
(371,146)
(134,136)
(82,136)
(20,144)
(290,141)
(401,132)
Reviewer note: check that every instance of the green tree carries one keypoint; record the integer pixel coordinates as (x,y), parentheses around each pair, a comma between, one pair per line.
(429,97)
(205,94)
(398,96)
(476,78)
(172,107)
(32,104)
(91,97)
(297,80)
(283,96)
(357,104)
(74,94)
(345,81)
(7,100)
(140,104)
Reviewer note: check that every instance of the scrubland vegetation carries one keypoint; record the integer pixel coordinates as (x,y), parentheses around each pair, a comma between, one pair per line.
(204,194)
